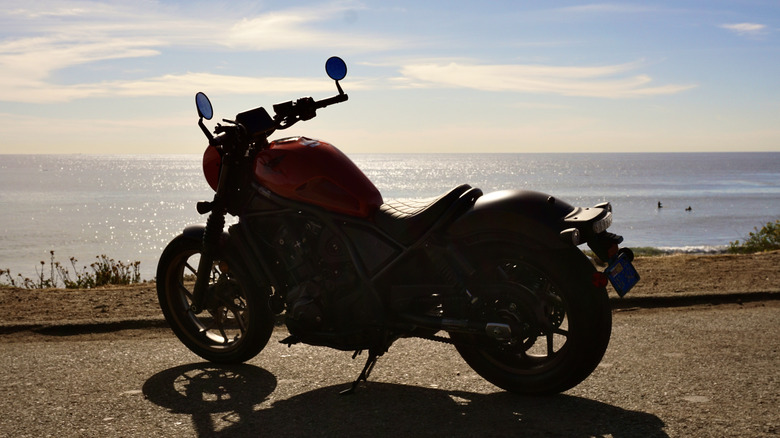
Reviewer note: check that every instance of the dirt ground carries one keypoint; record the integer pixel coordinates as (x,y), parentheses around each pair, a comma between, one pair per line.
(661,276)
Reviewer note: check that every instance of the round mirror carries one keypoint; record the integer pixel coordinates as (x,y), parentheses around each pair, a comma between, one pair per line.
(336,68)
(204,106)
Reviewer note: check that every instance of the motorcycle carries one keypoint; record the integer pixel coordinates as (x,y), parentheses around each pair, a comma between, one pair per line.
(500,276)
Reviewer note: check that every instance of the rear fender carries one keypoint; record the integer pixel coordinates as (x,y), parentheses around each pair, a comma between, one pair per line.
(536,217)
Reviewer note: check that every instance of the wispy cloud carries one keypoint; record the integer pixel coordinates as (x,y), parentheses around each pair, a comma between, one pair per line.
(53,37)
(612,8)
(746,29)
(611,81)
(296,29)
(166,85)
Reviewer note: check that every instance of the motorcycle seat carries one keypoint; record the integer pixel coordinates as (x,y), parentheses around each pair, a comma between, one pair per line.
(406,220)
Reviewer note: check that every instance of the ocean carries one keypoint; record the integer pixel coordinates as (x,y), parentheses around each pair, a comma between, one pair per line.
(129,206)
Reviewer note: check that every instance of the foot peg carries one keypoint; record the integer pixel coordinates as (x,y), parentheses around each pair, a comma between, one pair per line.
(290,340)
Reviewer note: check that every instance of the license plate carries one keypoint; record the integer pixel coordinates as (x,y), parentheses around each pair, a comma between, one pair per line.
(622,275)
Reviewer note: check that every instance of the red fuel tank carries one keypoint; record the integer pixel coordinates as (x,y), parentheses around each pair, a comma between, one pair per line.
(316,172)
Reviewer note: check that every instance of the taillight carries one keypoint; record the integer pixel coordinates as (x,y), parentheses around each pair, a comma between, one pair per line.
(599,279)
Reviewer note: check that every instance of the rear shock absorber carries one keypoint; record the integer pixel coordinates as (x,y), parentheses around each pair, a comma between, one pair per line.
(446,270)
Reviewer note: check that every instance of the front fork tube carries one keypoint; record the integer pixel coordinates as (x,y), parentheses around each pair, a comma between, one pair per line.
(215,225)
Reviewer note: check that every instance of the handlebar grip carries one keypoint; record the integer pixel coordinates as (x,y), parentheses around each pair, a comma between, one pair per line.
(331,100)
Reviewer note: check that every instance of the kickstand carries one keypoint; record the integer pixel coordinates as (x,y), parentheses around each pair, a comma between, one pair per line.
(372,358)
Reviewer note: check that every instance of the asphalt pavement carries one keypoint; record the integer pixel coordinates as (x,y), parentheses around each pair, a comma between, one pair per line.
(702,371)
(617,303)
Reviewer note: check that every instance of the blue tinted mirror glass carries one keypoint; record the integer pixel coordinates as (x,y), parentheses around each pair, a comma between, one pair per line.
(204,106)
(336,68)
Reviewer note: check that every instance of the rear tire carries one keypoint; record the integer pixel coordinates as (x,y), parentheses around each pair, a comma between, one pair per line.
(560,322)
(236,323)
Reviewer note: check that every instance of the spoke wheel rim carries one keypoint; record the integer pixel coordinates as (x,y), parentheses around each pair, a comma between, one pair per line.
(528,297)
(221,327)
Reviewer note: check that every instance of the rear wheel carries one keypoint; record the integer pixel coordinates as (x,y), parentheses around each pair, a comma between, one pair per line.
(559,322)
(236,322)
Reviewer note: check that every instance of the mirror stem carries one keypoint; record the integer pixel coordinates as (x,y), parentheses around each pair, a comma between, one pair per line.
(205,130)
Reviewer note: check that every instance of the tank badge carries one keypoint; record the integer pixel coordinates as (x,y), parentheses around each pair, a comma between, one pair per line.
(309,142)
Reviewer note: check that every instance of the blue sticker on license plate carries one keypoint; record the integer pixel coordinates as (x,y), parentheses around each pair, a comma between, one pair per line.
(622,275)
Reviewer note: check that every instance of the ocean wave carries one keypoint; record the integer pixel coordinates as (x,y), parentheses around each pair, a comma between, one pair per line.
(694,249)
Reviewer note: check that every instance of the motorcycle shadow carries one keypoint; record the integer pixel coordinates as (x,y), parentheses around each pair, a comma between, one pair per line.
(223,401)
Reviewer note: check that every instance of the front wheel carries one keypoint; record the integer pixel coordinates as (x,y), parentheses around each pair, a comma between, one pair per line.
(236,322)
(559,322)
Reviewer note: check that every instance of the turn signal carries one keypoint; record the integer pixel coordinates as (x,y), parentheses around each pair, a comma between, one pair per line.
(204,207)
(571,235)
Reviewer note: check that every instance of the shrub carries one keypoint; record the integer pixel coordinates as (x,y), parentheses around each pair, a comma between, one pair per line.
(39,282)
(765,239)
(105,271)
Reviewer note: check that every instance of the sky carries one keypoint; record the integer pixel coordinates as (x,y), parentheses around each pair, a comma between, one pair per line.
(424,76)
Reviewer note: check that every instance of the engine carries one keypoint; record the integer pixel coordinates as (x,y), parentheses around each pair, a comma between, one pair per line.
(321,277)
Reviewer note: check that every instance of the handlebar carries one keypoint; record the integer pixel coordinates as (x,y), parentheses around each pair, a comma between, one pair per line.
(288,113)
(331,100)
(227,134)
(250,125)
(257,121)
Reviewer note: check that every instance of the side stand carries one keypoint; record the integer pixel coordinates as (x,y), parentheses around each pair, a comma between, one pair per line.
(372,358)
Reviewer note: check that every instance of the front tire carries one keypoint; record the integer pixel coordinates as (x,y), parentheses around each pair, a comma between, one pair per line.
(236,323)
(560,323)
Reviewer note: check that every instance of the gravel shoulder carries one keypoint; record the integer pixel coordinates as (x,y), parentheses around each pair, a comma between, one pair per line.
(663,279)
